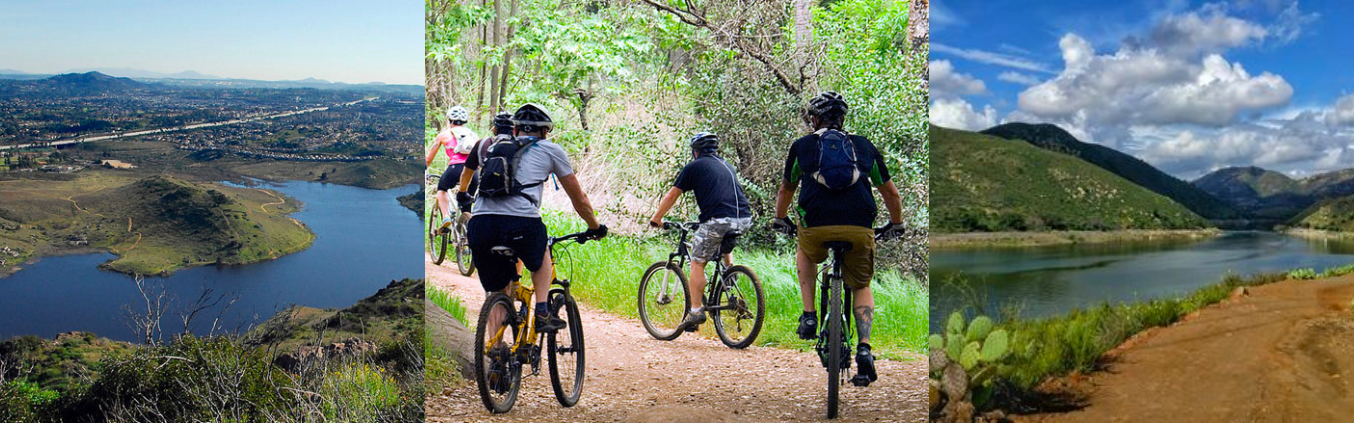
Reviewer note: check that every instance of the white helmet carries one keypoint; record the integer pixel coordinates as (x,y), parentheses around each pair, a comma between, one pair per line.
(458,113)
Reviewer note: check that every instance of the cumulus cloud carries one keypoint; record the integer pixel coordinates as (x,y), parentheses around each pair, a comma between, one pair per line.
(946,82)
(1018,78)
(1209,30)
(1302,145)
(959,114)
(1136,86)
(1343,112)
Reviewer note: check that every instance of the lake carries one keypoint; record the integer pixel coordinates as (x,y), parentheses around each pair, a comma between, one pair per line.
(1048,281)
(364,239)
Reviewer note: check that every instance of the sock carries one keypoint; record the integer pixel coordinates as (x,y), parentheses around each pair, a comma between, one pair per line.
(695,310)
(811,314)
(541,309)
(865,345)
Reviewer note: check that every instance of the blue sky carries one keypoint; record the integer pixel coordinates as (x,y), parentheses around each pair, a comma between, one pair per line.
(338,40)
(1188,86)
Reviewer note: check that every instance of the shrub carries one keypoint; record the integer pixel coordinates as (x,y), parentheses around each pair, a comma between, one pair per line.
(1302,274)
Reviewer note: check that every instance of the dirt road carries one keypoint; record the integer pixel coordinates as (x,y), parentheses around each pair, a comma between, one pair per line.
(634,378)
(1283,353)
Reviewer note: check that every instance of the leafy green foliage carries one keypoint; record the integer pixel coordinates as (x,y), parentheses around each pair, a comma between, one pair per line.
(975,347)
(1330,215)
(1302,274)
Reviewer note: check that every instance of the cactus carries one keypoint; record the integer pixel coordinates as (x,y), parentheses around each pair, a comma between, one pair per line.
(995,346)
(979,328)
(978,348)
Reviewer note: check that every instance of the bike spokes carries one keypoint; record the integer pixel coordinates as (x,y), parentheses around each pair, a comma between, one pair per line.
(663,300)
(739,307)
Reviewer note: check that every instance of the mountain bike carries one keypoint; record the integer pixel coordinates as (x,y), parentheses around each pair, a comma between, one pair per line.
(733,296)
(834,340)
(439,239)
(506,340)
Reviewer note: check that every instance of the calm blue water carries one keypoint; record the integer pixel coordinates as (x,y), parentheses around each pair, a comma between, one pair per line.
(364,239)
(1039,282)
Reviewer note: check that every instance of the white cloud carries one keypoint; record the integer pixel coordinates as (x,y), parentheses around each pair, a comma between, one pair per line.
(1303,145)
(959,114)
(1019,78)
(1146,86)
(942,17)
(992,58)
(1343,112)
(946,82)
(1209,30)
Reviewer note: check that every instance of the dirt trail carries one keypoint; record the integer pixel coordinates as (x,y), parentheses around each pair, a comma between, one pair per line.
(1283,353)
(634,378)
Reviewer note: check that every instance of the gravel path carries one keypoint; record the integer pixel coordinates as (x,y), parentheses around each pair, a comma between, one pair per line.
(633,378)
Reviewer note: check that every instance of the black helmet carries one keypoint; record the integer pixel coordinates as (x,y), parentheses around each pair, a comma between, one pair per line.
(705,142)
(533,116)
(503,121)
(827,104)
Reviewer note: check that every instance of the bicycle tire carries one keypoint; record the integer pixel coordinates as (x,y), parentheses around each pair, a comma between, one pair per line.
(834,348)
(438,241)
(758,311)
(644,309)
(464,261)
(576,346)
(481,375)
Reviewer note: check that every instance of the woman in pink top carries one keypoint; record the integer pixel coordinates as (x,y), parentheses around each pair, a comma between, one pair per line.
(458,141)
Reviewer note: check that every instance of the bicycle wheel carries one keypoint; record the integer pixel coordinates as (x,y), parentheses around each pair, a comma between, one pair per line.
(566,350)
(463,259)
(437,240)
(741,291)
(497,371)
(834,346)
(662,300)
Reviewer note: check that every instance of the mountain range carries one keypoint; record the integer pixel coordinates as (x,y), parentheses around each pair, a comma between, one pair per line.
(993,181)
(197,79)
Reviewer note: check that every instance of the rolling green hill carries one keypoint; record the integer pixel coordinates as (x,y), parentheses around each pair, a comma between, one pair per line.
(1273,196)
(1052,138)
(1328,215)
(155,224)
(984,183)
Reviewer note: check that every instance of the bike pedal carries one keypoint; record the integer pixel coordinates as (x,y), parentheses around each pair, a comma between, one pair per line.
(695,328)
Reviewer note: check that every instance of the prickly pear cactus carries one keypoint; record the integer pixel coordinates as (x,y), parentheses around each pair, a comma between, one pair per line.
(978,348)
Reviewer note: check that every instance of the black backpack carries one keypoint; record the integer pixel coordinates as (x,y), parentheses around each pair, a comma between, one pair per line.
(837,166)
(498,166)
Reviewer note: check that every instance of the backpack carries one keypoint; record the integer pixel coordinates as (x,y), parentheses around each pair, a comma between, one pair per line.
(498,167)
(837,164)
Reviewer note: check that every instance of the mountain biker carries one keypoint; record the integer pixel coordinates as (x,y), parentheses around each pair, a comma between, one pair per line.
(723,206)
(459,142)
(513,218)
(836,204)
(502,130)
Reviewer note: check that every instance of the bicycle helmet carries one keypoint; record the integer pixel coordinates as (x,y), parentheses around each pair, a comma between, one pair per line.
(529,117)
(458,113)
(503,123)
(705,142)
(827,103)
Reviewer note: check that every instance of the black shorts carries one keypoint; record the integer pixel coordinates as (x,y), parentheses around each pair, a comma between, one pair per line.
(527,236)
(452,177)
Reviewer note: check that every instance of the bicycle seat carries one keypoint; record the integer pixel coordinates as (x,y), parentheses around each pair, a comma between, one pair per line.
(838,246)
(730,241)
(503,251)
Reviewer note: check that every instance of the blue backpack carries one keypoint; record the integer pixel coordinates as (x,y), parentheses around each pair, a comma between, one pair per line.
(837,163)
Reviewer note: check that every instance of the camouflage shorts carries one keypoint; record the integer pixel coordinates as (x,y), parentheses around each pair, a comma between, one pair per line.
(710,235)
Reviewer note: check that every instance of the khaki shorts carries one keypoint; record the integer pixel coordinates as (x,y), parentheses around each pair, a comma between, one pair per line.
(859,265)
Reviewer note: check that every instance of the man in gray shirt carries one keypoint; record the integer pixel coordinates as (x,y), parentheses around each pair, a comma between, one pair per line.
(514,220)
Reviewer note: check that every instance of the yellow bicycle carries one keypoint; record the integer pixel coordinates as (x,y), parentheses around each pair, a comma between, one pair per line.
(506,340)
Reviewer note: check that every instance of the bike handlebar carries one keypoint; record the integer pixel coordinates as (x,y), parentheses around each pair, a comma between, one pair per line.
(579,237)
(670,225)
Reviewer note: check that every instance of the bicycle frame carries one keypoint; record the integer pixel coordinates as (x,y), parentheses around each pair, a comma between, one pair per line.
(525,292)
(830,271)
(682,254)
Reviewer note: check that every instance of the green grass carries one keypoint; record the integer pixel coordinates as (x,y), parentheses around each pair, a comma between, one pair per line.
(1339,271)
(448,302)
(605,274)
(1075,342)
(1330,215)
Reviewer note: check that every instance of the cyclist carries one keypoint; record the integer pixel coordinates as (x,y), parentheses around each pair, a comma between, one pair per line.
(459,142)
(502,131)
(834,172)
(509,214)
(723,206)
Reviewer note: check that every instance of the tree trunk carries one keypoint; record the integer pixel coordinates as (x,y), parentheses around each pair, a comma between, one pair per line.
(479,90)
(507,61)
(803,25)
(583,98)
(496,89)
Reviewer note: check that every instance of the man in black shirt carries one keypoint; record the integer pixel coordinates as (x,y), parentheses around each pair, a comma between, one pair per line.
(724,208)
(837,204)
